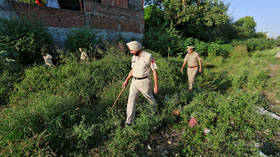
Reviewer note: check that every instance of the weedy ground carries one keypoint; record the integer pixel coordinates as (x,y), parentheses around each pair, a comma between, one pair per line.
(64,110)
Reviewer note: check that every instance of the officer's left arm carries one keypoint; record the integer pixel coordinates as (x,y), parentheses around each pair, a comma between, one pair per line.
(199,62)
(156,81)
(154,69)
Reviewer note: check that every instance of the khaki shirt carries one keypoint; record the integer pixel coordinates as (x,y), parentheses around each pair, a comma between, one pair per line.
(192,59)
(48,59)
(84,56)
(143,64)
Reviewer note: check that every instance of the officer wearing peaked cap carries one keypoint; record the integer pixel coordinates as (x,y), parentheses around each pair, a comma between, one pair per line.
(192,59)
(142,65)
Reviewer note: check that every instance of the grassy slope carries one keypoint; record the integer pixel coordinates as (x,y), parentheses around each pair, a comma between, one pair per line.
(261,60)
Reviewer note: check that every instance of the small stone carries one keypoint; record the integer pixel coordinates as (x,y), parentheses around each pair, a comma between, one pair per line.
(277,101)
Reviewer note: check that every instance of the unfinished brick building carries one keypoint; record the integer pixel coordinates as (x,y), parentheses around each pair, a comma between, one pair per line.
(108,18)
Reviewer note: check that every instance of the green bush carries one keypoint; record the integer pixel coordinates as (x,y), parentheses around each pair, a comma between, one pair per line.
(232,121)
(240,79)
(8,78)
(254,44)
(239,51)
(201,47)
(80,38)
(85,80)
(10,72)
(23,39)
(257,79)
(45,113)
(32,1)
(215,49)
(129,141)
(50,102)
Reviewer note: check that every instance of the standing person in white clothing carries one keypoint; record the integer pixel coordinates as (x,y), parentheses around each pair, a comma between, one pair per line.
(47,58)
(84,56)
(142,65)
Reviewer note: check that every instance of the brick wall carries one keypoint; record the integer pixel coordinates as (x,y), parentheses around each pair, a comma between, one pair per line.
(112,18)
(116,3)
(50,16)
(95,15)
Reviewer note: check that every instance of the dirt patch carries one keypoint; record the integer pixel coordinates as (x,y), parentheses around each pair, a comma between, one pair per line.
(165,143)
(270,94)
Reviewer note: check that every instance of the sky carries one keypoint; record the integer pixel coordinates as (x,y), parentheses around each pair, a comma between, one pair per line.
(266,14)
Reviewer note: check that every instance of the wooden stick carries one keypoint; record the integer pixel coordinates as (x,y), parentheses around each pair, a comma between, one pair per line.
(117,98)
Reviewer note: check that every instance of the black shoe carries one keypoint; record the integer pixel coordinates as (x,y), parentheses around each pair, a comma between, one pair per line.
(127,124)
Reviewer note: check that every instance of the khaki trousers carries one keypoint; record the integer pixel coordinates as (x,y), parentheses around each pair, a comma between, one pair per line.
(145,87)
(191,75)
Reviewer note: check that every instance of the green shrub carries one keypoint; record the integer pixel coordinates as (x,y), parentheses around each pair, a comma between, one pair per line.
(257,79)
(23,39)
(240,79)
(129,141)
(32,1)
(254,44)
(232,121)
(215,60)
(201,47)
(45,113)
(10,73)
(215,49)
(80,38)
(239,51)
(85,80)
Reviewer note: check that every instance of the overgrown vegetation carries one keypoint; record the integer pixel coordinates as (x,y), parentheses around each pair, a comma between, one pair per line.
(65,110)
(170,26)
(22,39)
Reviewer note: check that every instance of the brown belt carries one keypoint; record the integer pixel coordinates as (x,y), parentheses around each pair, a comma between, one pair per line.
(193,66)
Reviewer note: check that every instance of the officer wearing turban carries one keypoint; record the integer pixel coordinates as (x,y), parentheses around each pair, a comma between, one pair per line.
(142,65)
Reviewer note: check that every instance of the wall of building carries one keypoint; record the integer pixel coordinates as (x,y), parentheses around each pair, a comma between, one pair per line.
(109,21)
(60,34)
(4,9)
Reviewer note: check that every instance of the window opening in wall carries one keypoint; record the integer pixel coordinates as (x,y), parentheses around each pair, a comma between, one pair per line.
(71,4)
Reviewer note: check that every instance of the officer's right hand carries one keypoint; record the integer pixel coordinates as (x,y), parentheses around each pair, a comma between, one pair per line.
(124,84)
(181,69)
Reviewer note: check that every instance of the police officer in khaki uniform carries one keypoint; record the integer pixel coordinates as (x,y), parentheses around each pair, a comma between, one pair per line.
(84,56)
(193,59)
(142,65)
(47,58)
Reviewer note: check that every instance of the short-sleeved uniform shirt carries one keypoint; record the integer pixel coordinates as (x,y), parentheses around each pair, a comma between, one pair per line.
(192,59)
(48,59)
(84,56)
(143,64)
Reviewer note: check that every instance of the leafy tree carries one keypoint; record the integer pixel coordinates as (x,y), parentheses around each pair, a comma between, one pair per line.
(278,38)
(21,39)
(196,18)
(156,35)
(246,27)
(168,23)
